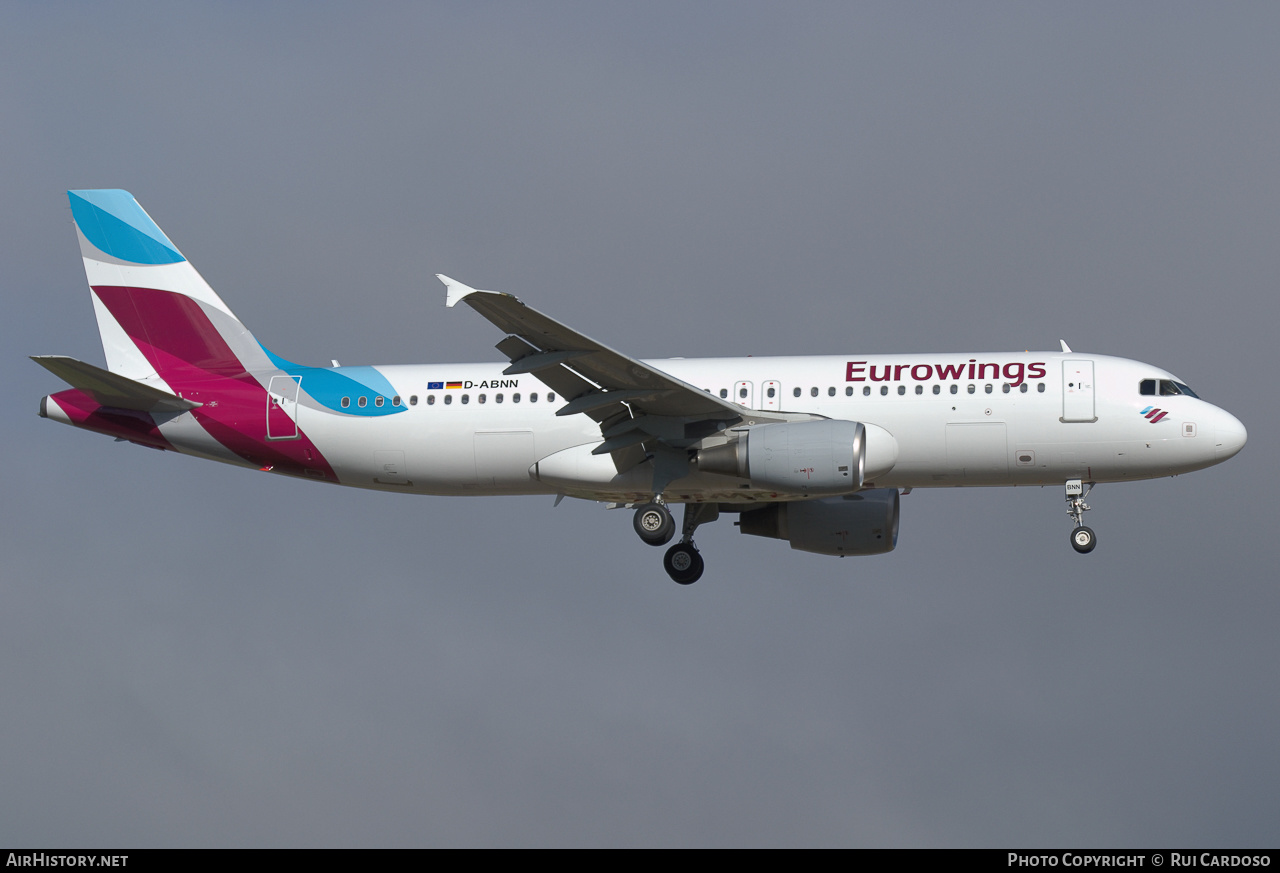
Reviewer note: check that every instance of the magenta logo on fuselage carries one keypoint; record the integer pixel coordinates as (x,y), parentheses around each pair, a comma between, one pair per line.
(1015,373)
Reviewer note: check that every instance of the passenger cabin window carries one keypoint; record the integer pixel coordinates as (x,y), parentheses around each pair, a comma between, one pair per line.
(772,391)
(413,399)
(813,392)
(448,398)
(937,389)
(431,400)
(362,402)
(795,392)
(724,393)
(884,390)
(346,401)
(831,392)
(902,389)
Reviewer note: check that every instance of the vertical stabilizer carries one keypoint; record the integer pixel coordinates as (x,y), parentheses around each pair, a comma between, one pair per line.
(157,316)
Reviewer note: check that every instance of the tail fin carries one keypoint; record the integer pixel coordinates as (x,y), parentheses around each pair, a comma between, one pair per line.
(158,318)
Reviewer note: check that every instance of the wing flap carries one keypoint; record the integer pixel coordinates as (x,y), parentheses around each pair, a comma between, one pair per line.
(539,361)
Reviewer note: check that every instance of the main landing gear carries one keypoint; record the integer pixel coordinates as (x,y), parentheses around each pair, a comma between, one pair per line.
(1083,539)
(654,524)
(683,563)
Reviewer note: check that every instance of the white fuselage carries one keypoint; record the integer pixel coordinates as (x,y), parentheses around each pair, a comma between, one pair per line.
(1007,419)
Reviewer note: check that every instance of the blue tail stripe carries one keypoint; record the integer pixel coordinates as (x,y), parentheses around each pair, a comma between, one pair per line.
(114,222)
(328,386)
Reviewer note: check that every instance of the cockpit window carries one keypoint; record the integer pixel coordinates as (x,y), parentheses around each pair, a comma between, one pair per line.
(1165,388)
(1169,388)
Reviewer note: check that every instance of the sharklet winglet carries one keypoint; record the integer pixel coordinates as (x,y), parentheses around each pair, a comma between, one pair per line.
(456,291)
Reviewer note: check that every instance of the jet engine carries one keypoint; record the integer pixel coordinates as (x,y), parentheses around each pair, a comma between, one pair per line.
(856,524)
(805,457)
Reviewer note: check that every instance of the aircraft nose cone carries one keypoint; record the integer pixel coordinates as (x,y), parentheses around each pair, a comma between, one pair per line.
(1230,436)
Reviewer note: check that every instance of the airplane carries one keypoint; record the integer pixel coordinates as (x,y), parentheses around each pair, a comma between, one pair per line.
(812,450)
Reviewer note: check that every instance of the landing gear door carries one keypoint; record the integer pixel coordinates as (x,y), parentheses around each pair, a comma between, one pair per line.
(1077,391)
(744,394)
(282,407)
(771,392)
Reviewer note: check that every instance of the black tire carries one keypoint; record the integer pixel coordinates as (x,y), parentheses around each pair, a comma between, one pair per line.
(1083,540)
(654,524)
(683,563)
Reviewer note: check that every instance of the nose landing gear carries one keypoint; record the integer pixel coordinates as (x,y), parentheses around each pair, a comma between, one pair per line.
(1083,539)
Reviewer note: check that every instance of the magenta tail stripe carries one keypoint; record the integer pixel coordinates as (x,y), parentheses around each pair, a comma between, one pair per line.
(172,322)
(177,338)
(86,412)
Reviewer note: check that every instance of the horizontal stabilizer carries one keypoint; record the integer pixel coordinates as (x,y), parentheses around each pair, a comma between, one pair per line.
(112,389)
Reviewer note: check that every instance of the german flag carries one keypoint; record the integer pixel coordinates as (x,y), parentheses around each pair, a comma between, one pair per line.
(452,384)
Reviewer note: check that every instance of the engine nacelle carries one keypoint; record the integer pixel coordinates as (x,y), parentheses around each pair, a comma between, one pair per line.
(805,457)
(865,523)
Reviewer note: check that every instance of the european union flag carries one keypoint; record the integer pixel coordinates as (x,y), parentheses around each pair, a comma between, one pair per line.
(435,386)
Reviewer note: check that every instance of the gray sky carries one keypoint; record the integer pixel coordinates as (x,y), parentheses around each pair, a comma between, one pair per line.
(195,655)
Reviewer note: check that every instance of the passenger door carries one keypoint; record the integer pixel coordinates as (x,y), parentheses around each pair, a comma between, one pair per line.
(1077,391)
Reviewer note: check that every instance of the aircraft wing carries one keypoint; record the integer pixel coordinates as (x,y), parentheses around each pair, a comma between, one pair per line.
(634,402)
